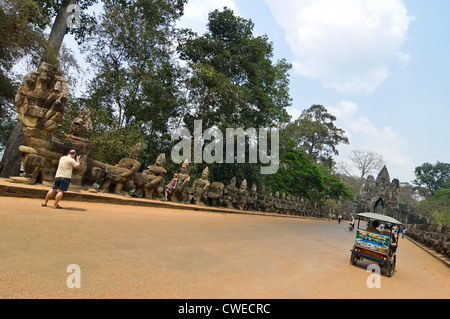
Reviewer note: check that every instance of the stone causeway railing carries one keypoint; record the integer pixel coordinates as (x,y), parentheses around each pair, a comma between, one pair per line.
(433,236)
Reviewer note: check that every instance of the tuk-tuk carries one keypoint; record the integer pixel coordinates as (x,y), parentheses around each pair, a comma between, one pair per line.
(376,244)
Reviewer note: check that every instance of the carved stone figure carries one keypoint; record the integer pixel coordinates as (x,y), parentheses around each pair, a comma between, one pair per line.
(289,206)
(252,199)
(121,175)
(261,202)
(241,196)
(230,193)
(381,196)
(277,203)
(270,202)
(181,192)
(214,194)
(199,187)
(283,204)
(40,104)
(150,183)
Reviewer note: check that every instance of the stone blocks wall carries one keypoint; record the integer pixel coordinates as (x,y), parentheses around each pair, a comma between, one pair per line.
(433,236)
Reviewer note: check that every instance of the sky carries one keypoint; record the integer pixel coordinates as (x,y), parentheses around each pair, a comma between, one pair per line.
(380,66)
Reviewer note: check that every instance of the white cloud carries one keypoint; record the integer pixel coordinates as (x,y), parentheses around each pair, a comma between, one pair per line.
(196,13)
(363,134)
(294,113)
(350,45)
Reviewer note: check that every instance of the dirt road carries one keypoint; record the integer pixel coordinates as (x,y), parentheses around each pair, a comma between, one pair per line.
(138,252)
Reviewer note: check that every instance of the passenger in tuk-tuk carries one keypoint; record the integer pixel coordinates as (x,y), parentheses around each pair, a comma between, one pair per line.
(393,241)
(373,226)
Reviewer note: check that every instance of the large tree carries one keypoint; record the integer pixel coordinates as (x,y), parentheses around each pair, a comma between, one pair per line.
(22,33)
(136,83)
(316,134)
(299,176)
(362,164)
(437,207)
(433,176)
(233,81)
(366,162)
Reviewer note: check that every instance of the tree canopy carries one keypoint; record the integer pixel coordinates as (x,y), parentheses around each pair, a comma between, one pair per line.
(232,81)
(437,207)
(299,176)
(433,176)
(316,134)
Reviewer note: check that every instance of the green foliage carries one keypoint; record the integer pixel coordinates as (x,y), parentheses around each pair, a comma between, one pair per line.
(433,177)
(299,176)
(19,37)
(49,9)
(315,134)
(233,81)
(136,81)
(437,207)
(140,92)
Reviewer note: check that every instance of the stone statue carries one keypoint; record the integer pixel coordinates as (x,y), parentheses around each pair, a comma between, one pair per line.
(40,104)
(269,202)
(283,204)
(277,203)
(214,194)
(181,192)
(150,183)
(199,187)
(289,207)
(252,199)
(261,201)
(121,175)
(242,195)
(230,193)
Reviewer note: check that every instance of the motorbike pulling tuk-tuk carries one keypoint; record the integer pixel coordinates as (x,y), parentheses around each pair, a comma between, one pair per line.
(376,244)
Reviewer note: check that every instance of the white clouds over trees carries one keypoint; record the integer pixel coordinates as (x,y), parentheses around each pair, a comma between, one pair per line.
(349,45)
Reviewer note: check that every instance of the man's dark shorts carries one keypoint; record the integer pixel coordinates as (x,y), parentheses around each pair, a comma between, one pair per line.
(61,183)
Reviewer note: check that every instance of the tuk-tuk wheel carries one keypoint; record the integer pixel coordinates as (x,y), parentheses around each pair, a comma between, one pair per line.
(389,270)
(391,267)
(353,258)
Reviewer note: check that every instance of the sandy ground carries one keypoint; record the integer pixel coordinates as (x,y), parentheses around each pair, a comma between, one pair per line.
(139,252)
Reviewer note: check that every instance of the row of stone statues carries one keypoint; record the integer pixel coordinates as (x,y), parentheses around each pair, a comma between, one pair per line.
(41,103)
(124,179)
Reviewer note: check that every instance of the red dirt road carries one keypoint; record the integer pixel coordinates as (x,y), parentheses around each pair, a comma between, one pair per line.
(139,252)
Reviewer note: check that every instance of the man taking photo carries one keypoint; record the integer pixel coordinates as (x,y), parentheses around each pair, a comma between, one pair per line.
(62,178)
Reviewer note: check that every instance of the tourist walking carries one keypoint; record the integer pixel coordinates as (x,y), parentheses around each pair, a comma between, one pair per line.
(403,233)
(63,177)
(339,218)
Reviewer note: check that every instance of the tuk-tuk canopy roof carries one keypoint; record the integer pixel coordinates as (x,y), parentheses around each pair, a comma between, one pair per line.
(380,217)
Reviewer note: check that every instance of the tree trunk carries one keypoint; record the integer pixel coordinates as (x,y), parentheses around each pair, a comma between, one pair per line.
(59,30)
(10,164)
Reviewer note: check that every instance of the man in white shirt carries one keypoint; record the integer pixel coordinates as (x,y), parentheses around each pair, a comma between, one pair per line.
(63,176)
